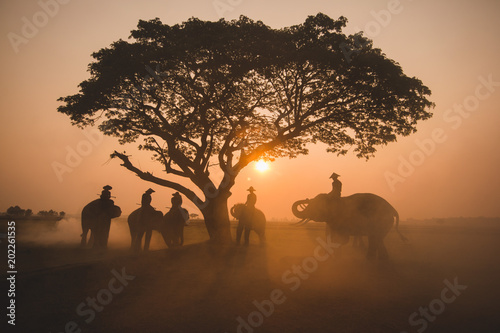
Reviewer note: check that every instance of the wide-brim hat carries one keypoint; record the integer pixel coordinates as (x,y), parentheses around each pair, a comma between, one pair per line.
(176,194)
(107,187)
(251,189)
(150,190)
(334,175)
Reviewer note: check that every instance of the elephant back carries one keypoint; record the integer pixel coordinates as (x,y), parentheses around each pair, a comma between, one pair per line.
(134,216)
(154,218)
(93,209)
(176,215)
(259,220)
(256,221)
(367,204)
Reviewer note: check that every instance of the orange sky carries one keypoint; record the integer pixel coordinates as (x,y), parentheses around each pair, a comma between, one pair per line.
(450,167)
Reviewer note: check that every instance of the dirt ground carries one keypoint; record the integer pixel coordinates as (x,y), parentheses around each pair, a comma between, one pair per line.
(443,280)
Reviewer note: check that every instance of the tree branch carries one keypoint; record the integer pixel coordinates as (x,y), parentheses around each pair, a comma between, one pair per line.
(150,178)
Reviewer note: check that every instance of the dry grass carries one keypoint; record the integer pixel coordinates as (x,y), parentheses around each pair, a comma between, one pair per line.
(199,288)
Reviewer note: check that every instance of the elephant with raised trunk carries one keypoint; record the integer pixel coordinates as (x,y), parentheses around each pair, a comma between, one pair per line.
(96,218)
(249,221)
(360,214)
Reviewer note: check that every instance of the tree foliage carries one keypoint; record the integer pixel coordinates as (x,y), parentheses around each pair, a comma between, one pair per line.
(230,92)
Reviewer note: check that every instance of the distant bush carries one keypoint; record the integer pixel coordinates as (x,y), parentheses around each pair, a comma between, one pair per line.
(18,211)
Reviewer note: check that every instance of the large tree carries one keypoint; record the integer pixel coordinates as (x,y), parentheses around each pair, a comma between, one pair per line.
(222,94)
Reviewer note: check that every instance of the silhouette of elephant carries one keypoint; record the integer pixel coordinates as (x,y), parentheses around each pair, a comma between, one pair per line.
(257,223)
(360,214)
(96,218)
(174,221)
(170,226)
(142,222)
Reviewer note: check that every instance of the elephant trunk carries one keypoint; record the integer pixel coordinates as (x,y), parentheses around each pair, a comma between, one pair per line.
(300,213)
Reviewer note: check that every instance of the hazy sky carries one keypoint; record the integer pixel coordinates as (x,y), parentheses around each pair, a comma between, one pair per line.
(450,167)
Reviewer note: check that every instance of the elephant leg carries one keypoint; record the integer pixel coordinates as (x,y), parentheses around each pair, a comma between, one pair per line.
(262,238)
(168,235)
(92,238)
(382,251)
(138,240)
(247,236)
(105,234)
(96,237)
(175,235)
(84,237)
(132,241)
(239,231)
(132,235)
(372,247)
(358,243)
(181,235)
(147,239)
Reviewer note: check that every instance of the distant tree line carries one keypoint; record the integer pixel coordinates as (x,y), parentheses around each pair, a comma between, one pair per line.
(18,211)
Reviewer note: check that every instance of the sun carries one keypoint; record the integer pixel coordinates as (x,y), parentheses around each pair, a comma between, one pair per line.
(262,166)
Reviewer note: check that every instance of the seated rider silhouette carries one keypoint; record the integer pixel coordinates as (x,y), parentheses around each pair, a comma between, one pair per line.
(106,196)
(335,196)
(336,186)
(250,204)
(176,200)
(146,200)
(176,209)
(146,208)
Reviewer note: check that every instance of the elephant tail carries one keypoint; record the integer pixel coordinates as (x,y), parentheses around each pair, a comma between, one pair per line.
(403,238)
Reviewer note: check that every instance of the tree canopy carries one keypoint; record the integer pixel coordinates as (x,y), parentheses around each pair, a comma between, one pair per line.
(230,92)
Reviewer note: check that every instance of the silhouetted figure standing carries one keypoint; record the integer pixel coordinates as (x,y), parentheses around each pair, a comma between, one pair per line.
(336,186)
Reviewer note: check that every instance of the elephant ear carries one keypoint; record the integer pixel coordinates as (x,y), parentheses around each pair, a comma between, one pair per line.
(116,211)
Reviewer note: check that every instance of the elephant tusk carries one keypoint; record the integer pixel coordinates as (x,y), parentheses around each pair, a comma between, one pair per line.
(305,221)
(301,222)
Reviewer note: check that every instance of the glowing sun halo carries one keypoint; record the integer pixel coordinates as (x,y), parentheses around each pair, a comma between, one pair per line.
(262,166)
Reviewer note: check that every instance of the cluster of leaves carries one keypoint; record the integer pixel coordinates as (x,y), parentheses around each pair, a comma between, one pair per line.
(236,91)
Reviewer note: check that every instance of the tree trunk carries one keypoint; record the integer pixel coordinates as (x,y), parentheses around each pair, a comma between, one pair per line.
(216,217)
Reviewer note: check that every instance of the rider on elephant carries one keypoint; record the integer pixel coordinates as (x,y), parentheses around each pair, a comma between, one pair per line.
(176,200)
(250,204)
(146,208)
(176,209)
(106,197)
(336,186)
(146,199)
